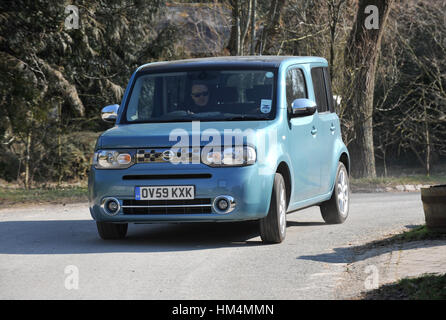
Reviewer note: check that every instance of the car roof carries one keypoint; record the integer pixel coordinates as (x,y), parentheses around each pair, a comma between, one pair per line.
(230,61)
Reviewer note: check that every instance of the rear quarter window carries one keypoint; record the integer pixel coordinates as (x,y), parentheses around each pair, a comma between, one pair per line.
(329,90)
(317,75)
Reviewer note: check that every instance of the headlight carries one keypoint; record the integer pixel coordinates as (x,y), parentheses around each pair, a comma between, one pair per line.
(113,159)
(229,156)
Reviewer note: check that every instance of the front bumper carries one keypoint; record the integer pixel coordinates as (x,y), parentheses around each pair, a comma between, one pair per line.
(250,187)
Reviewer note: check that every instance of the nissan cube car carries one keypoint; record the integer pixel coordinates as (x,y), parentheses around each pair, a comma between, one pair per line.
(220,140)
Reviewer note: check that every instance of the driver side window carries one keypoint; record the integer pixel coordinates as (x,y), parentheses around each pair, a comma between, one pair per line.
(141,102)
(295,86)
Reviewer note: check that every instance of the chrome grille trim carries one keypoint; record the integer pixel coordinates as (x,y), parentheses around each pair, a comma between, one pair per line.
(169,206)
(166,207)
(162,155)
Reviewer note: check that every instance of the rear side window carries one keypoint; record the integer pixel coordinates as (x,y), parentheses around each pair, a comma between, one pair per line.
(329,91)
(295,86)
(317,75)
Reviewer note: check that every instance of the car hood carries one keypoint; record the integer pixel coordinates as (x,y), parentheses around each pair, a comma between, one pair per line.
(150,135)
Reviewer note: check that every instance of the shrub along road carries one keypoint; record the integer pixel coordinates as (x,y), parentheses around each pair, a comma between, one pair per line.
(54,252)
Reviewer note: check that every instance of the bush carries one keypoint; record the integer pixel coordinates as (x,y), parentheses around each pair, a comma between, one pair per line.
(77,153)
(53,158)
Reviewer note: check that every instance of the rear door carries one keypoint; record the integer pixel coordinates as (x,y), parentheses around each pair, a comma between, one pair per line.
(326,123)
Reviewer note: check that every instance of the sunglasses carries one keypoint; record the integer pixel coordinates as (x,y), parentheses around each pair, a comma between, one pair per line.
(199,94)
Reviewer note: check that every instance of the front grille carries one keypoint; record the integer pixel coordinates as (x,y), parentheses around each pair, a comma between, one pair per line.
(194,206)
(157,155)
(167,176)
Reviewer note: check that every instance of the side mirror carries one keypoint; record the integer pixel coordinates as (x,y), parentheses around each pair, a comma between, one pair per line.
(303,107)
(110,113)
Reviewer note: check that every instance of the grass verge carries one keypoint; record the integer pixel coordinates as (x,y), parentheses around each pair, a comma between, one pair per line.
(417,233)
(12,196)
(426,287)
(381,182)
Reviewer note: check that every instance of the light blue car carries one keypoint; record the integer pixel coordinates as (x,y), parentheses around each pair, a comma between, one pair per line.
(218,140)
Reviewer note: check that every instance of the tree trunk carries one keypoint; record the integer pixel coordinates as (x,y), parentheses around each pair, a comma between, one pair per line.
(428,142)
(28,158)
(334,9)
(361,57)
(253,28)
(246,26)
(234,40)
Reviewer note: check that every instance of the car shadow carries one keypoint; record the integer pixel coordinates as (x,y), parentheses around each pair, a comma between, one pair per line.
(304,224)
(81,237)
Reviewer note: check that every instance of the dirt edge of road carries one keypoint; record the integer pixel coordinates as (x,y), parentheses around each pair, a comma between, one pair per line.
(380,262)
(5,202)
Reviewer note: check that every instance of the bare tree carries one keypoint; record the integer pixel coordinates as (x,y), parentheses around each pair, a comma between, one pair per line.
(253,27)
(334,11)
(361,57)
(242,12)
(411,91)
(271,29)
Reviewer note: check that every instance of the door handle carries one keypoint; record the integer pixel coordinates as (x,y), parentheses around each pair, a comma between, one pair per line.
(332,128)
(314,131)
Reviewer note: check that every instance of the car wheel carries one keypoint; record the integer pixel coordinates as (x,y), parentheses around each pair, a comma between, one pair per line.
(112,231)
(273,226)
(335,210)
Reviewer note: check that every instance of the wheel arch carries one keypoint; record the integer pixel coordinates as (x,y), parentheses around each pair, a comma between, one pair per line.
(344,158)
(284,170)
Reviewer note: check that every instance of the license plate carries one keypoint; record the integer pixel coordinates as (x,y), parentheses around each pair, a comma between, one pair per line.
(164,193)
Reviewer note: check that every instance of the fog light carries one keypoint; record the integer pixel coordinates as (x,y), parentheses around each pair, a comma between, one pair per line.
(110,206)
(224,204)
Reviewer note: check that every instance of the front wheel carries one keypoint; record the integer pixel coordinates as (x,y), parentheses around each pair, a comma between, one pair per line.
(335,210)
(273,226)
(112,231)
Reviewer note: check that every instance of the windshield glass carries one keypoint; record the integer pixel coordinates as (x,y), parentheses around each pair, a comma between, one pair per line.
(205,95)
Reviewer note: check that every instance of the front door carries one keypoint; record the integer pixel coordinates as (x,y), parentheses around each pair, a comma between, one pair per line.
(304,144)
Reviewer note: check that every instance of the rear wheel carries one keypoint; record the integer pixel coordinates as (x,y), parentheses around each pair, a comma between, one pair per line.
(112,231)
(273,226)
(335,210)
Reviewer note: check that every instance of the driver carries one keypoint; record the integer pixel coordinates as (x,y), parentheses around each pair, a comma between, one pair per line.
(200,98)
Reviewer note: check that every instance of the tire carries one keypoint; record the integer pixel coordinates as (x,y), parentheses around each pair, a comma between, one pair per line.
(273,226)
(112,231)
(335,210)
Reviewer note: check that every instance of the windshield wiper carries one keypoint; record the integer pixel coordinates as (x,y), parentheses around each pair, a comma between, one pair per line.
(245,117)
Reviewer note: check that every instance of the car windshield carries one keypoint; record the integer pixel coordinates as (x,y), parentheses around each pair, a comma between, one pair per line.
(204,95)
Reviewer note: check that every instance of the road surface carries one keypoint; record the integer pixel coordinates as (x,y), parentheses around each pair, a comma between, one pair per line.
(54,252)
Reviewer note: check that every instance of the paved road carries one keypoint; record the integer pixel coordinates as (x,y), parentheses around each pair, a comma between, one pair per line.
(44,249)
